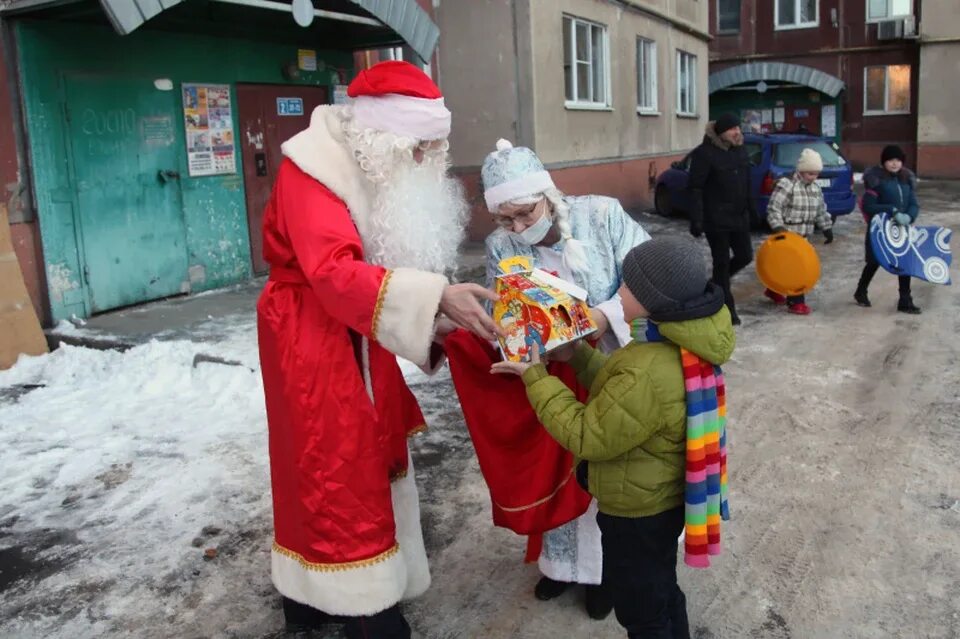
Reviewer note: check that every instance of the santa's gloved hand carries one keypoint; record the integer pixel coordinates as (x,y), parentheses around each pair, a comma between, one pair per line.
(828,234)
(902,219)
(778,229)
(696,229)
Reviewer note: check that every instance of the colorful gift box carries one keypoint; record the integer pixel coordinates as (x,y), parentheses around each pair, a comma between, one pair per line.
(537,308)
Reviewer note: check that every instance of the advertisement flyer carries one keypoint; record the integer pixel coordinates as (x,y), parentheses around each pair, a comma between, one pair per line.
(828,121)
(208,119)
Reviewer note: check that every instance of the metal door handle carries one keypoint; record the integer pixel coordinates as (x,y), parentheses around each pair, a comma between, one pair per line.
(166,176)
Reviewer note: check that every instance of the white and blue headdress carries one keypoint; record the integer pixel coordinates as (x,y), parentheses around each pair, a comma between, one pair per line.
(516,174)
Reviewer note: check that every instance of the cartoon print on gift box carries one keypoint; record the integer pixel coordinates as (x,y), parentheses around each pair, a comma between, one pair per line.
(562,323)
(582,320)
(538,326)
(515,343)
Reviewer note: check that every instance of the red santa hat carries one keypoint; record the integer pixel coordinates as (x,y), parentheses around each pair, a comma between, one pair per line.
(399,98)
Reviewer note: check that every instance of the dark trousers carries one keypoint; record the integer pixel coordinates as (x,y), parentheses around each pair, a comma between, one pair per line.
(388,624)
(640,570)
(796,299)
(722,243)
(871,267)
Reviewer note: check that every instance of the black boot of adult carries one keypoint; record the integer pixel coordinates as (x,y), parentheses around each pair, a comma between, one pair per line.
(388,624)
(599,602)
(303,618)
(547,589)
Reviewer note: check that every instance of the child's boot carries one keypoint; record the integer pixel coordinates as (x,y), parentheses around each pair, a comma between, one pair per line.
(775,297)
(906,305)
(599,602)
(799,308)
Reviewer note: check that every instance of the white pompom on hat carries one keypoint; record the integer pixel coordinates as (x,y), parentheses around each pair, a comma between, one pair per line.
(809,162)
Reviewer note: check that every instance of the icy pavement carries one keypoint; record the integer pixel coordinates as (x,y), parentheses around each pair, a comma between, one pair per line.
(134,499)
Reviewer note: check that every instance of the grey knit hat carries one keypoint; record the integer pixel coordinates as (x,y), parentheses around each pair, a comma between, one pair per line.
(665,273)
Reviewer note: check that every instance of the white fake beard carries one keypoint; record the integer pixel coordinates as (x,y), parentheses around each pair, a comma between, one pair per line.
(418,217)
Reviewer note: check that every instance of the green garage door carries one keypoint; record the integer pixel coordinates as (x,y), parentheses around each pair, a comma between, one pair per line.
(125,161)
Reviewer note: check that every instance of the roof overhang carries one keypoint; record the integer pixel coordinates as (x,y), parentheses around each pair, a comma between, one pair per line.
(780,71)
(403,17)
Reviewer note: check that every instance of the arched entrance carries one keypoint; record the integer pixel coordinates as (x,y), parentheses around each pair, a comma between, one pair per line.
(773,97)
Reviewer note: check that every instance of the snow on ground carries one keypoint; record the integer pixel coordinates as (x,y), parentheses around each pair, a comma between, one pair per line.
(121,469)
(112,471)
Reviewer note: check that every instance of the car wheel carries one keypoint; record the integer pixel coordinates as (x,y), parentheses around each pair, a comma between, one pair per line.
(661,200)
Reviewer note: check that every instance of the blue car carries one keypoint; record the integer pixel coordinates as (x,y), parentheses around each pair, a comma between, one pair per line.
(772,156)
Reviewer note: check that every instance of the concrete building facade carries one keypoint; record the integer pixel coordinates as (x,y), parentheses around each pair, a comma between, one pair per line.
(938,119)
(607,93)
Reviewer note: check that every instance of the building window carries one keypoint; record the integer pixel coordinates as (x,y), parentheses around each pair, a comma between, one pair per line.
(646,76)
(796,14)
(728,16)
(686,83)
(887,90)
(586,64)
(888,9)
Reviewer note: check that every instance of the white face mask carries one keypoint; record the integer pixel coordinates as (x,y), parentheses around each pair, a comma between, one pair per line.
(534,234)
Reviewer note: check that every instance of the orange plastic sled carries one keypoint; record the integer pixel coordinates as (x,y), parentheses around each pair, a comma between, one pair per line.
(788,264)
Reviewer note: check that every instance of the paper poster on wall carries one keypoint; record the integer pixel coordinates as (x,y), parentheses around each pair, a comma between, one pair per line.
(307,59)
(750,119)
(779,116)
(208,119)
(766,116)
(828,121)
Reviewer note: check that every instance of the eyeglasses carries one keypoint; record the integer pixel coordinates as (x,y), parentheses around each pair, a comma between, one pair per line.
(525,216)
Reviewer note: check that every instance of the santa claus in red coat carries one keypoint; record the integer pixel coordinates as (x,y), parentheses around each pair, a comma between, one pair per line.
(360,232)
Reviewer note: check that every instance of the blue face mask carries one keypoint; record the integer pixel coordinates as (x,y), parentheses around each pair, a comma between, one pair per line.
(534,234)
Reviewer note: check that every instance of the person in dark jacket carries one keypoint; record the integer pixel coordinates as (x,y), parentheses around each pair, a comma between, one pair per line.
(722,205)
(890,188)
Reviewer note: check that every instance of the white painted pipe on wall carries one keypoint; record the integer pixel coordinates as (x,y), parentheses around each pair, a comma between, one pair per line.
(320,13)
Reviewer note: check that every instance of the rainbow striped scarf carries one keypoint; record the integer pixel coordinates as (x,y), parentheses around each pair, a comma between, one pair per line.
(705,498)
(706,490)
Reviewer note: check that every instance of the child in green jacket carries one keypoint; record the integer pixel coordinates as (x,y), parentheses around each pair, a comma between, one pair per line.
(632,431)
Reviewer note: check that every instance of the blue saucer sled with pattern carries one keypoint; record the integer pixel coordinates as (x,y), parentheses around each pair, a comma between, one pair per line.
(922,252)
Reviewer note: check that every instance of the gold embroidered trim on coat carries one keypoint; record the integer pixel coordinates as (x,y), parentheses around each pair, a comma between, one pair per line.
(422,428)
(378,308)
(398,476)
(350,565)
(539,502)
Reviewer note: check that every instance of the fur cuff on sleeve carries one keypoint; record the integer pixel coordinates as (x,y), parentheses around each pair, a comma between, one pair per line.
(406,309)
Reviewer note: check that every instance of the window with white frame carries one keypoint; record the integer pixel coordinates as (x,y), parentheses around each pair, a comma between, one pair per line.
(886,90)
(887,9)
(796,14)
(586,63)
(646,76)
(728,16)
(686,83)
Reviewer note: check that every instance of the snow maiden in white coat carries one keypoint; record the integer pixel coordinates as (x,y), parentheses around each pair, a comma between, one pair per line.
(584,240)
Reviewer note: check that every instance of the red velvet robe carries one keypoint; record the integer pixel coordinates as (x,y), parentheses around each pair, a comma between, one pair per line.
(346,515)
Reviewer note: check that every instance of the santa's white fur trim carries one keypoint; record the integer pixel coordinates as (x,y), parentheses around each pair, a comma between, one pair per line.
(406,312)
(363,588)
(406,514)
(530,184)
(407,116)
(321,152)
(357,590)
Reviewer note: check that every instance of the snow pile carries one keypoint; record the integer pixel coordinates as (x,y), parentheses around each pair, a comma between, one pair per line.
(130,456)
